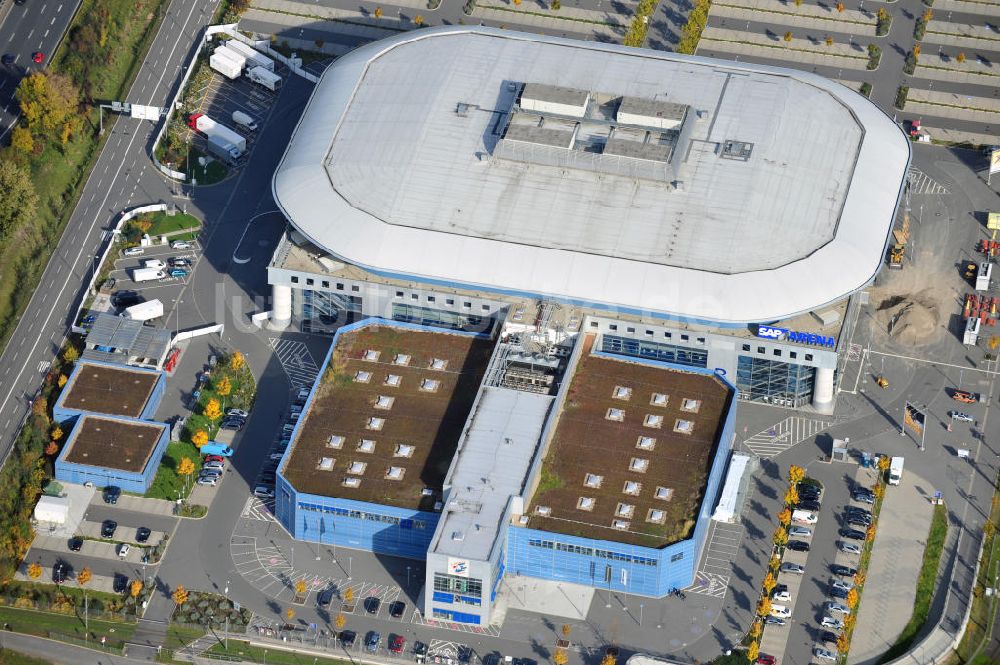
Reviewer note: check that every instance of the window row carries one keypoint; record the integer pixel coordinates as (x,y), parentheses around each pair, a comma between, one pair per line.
(777,352)
(403,522)
(465,585)
(325,283)
(589,551)
(684,337)
(449,302)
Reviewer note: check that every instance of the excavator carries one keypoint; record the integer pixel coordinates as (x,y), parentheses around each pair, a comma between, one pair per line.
(902,236)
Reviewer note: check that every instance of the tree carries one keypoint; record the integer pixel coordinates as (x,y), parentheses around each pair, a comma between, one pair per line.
(859,578)
(753,652)
(961,58)
(791,496)
(756,629)
(71,355)
(34,571)
(770,581)
(829,40)
(348,594)
(82,578)
(785,517)
(849,622)
(927,15)
(62,380)
(51,448)
(517,2)
(556,5)
(185,468)
(774,562)
(609,659)
(236,361)
(840,6)
(300,587)
(289,614)
(788,36)
(798,3)
(199,438)
(340,622)
(560,657)
(224,386)
(418,19)
(135,588)
(852,598)
(870,533)
(18,200)
(57,433)
(566,630)
(883,463)
(780,536)
(843,644)
(879,491)
(213,410)
(916,50)
(180,595)
(22,141)
(796,474)
(763,606)
(378,12)
(47,100)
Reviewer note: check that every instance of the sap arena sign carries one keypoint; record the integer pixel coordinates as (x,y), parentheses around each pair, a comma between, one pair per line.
(784,334)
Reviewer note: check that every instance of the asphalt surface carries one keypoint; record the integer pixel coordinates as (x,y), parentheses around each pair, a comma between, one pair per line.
(37,25)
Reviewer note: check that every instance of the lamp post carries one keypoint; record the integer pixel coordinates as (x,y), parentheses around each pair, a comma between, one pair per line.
(350,561)
(407,578)
(226,593)
(640,614)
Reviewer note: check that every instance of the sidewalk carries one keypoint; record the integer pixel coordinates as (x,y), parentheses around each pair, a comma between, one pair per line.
(801,51)
(141,504)
(806,16)
(984,7)
(961,34)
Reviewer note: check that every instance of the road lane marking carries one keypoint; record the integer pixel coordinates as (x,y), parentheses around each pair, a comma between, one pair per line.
(45,35)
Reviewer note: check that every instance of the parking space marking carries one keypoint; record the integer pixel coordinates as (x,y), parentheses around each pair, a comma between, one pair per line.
(418,618)
(921,183)
(296,361)
(714,572)
(783,435)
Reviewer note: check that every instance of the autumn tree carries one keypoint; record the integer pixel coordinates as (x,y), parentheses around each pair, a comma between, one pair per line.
(791,496)
(22,141)
(300,587)
(51,448)
(199,438)
(859,578)
(213,410)
(840,6)
(18,200)
(560,657)
(916,50)
(774,562)
(48,100)
(870,533)
(780,536)
(878,491)
(829,40)
(236,361)
(348,594)
(753,652)
(70,355)
(135,588)
(418,19)
(84,576)
(340,622)
(62,380)
(960,57)
(927,15)
(796,474)
(185,468)
(788,36)
(770,581)
(34,571)
(763,606)
(566,630)
(180,595)
(756,629)
(378,12)
(224,386)
(843,643)
(289,614)
(57,433)
(849,622)
(785,517)
(609,659)
(852,598)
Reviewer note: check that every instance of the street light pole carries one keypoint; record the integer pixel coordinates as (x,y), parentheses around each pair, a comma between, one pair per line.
(350,561)
(640,614)
(226,592)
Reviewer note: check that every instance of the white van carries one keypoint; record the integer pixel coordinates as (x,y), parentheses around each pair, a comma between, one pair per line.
(245,121)
(780,611)
(895,470)
(804,517)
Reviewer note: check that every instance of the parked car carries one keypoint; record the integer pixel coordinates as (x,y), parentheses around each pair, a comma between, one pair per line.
(857,510)
(108,528)
(858,520)
(838,593)
(180,244)
(419,651)
(396,609)
(824,654)
(123,550)
(781,596)
(465,655)
(781,611)
(234,424)
(134,251)
(837,608)
(111,494)
(800,532)
(814,506)
(120,583)
(792,568)
(218,466)
(397,643)
(61,572)
(239,413)
(849,548)
(766,659)
(830,622)
(808,492)
(774,621)
(372,640)
(206,480)
(178,272)
(863,497)
(372,604)
(8,58)
(178,262)
(798,545)
(210,471)
(843,571)
(827,637)
(347,638)
(142,534)
(262,492)
(214,458)
(959,415)
(75,544)
(841,584)
(852,534)
(965,396)
(324,598)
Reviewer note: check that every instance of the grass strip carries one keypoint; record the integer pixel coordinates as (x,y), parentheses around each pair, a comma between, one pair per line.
(613,24)
(759,10)
(936,536)
(65,627)
(981,615)
(785,48)
(245,651)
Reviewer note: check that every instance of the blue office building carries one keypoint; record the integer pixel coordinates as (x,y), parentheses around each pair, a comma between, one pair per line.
(111,450)
(114,390)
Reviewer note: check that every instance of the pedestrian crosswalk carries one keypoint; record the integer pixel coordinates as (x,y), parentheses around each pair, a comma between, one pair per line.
(296,360)
(921,183)
(259,509)
(715,570)
(784,435)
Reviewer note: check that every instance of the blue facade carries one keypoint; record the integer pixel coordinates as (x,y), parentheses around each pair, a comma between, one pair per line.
(137,482)
(61,414)
(625,568)
(344,522)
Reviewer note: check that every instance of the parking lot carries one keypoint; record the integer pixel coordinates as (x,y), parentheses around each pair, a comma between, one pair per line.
(183,261)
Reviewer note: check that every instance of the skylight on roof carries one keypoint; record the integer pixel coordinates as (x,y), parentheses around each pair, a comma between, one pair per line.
(690,405)
(335,441)
(621,392)
(357,468)
(656,516)
(593,480)
(384,402)
(371,355)
(366,446)
(325,463)
(653,421)
(352,482)
(638,465)
(664,493)
(543,511)
(401,359)
(393,380)
(659,399)
(362,376)
(404,450)
(621,525)
(395,473)
(632,488)
(438,364)
(646,443)
(684,426)
(617,415)
(430,385)
(586,503)
(624,510)
(375,423)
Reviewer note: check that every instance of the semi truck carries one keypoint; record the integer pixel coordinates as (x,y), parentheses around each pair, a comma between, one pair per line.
(254,58)
(263,77)
(245,121)
(235,56)
(225,65)
(147,274)
(223,149)
(144,311)
(220,138)
(895,470)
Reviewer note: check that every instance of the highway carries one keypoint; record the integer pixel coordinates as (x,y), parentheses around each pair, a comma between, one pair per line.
(123,176)
(36,25)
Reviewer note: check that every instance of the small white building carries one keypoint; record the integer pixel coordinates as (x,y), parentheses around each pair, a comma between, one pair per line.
(52,510)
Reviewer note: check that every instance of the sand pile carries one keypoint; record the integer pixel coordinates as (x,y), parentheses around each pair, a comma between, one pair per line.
(911,319)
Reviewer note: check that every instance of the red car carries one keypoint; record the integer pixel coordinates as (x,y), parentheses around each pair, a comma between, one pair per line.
(766,659)
(965,396)
(38,57)
(215,458)
(397,644)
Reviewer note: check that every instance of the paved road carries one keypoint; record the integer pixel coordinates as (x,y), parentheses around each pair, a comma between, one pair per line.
(123,176)
(129,519)
(58,653)
(37,25)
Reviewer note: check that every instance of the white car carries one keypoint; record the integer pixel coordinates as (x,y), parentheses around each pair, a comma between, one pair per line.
(837,608)
(830,622)
(123,550)
(800,532)
(780,611)
(239,413)
(849,548)
(964,417)
(263,492)
(207,480)
(274,457)
(134,251)
(180,244)
(792,568)
(782,596)
(824,654)
(842,585)
(214,465)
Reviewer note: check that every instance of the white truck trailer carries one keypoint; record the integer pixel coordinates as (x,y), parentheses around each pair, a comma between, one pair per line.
(144,311)
(225,65)
(254,58)
(220,138)
(895,470)
(263,77)
(147,274)
(235,56)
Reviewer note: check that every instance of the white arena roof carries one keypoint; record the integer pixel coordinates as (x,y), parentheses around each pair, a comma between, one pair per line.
(620,177)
